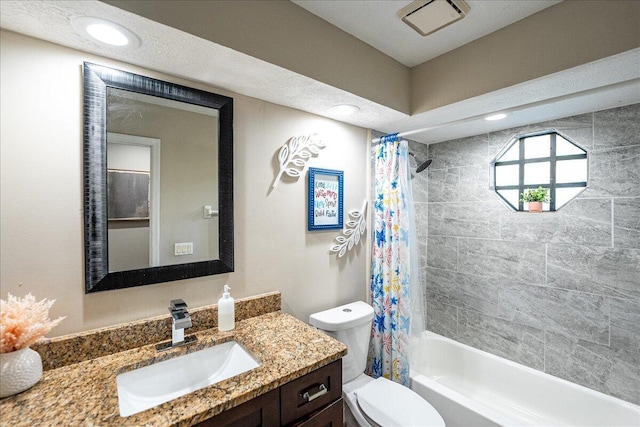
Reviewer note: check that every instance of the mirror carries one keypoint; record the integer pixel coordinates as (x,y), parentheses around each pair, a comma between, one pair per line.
(158,180)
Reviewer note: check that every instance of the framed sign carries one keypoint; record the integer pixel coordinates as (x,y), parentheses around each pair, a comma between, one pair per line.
(325,199)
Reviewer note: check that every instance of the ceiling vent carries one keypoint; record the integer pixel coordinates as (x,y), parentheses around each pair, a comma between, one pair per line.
(427,16)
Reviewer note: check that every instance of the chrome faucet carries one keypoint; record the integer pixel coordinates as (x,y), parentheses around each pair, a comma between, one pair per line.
(180,320)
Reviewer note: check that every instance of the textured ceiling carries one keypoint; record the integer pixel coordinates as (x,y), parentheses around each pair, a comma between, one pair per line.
(603,84)
(377,24)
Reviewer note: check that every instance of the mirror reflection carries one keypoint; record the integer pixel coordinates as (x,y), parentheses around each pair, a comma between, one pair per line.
(162,189)
(158,180)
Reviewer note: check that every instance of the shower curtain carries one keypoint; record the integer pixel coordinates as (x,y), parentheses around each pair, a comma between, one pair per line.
(396,294)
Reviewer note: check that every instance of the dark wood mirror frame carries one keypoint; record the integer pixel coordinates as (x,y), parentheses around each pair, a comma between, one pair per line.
(96,80)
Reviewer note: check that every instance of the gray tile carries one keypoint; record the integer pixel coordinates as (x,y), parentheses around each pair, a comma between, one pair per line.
(473,219)
(478,293)
(613,272)
(593,289)
(600,367)
(474,183)
(442,252)
(463,290)
(419,322)
(626,218)
(441,286)
(625,324)
(419,148)
(577,360)
(419,181)
(442,319)
(614,173)
(584,221)
(421,211)
(578,129)
(444,185)
(522,344)
(420,187)
(522,261)
(459,152)
(422,252)
(498,140)
(421,224)
(572,313)
(469,183)
(624,381)
(617,127)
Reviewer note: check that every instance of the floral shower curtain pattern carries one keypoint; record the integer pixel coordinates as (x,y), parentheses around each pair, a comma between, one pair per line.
(391,263)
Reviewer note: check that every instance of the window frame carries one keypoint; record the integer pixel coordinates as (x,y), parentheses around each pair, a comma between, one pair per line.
(552,159)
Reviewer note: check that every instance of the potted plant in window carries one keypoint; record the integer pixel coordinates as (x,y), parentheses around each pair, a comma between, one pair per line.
(535,198)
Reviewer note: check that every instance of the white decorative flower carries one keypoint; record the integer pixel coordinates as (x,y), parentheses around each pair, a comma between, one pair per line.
(351,234)
(293,155)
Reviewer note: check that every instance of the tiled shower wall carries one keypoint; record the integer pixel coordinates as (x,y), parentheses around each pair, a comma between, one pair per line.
(559,292)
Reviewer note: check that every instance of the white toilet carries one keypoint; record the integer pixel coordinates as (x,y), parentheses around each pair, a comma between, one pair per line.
(370,402)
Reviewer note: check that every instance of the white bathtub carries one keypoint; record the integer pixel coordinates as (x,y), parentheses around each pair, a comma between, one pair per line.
(472,388)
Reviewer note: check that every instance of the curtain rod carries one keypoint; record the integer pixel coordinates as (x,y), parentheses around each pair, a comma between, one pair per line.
(409,132)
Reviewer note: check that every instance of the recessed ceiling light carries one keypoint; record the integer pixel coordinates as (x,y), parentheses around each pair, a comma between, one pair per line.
(344,110)
(106,32)
(495,117)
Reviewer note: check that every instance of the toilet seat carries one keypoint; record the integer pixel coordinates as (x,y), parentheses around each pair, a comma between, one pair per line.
(390,404)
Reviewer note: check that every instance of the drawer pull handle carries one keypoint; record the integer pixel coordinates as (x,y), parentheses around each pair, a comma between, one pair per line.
(322,389)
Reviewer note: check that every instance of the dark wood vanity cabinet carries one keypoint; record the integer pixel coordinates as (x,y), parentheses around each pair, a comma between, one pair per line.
(308,400)
(314,400)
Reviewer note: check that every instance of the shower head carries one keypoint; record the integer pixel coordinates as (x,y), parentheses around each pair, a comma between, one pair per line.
(422,164)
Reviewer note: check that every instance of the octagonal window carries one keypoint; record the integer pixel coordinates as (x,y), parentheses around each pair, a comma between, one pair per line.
(545,159)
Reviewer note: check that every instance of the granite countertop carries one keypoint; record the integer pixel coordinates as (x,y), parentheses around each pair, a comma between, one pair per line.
(85,393)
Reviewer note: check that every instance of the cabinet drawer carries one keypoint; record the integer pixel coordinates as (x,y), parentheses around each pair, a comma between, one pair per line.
(309,393)
(263,411)
(331,416)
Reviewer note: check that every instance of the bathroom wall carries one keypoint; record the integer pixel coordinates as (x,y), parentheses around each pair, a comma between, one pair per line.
(188,174)
(563,36)
(128,240)
(559,292)
(284,34)
(41,194)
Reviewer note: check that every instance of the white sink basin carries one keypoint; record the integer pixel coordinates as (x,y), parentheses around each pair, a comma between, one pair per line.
(161,382)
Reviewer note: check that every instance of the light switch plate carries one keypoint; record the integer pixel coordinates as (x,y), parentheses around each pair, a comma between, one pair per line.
(185,248)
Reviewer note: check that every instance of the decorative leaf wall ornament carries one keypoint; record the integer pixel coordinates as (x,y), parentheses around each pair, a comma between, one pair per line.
(354,228)
(293,155)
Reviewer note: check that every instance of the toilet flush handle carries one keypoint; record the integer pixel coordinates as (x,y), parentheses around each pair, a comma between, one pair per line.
(322,389)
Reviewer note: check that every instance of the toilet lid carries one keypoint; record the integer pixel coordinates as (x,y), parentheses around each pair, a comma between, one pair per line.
(391,404)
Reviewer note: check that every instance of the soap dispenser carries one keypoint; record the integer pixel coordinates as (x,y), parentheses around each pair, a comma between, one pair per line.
(226,311)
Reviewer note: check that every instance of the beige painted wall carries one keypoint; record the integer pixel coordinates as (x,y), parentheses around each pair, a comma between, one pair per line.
(560,37)
(284,34)
(568,34)
(41,245)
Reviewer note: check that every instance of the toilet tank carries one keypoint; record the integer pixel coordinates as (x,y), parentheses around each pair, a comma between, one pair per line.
(350,324)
